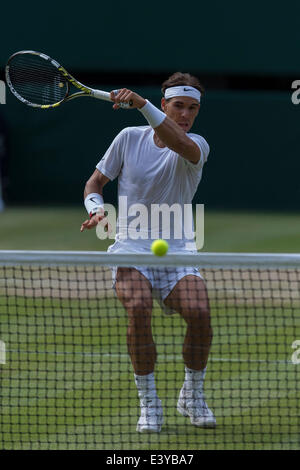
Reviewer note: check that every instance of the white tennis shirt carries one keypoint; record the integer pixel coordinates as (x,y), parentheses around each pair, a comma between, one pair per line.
(153,183)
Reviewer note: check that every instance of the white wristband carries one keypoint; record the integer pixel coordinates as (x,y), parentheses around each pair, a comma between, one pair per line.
(153,115)
(93,202)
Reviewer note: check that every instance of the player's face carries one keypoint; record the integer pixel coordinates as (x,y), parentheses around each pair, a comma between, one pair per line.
(182,109)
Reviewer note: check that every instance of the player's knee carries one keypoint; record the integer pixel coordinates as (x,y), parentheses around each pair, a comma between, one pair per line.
(139,312)
(134,300)
(198,316)
(136,304)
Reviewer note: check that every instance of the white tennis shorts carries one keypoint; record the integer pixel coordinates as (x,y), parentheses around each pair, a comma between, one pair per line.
(162,280)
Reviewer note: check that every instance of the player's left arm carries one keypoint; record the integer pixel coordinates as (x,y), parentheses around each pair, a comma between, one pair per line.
(167,130)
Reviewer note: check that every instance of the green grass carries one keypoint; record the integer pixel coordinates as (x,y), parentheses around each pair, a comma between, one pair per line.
(47,228)
(68,382)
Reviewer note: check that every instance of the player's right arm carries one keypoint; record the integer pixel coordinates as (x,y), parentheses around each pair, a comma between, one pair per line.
(168,131)
(94,185)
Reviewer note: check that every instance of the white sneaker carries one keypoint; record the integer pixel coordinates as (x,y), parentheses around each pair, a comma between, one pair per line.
(151,418)
(192,404)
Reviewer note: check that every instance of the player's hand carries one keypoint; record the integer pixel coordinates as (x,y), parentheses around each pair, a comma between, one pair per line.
(127,96)
(92,222)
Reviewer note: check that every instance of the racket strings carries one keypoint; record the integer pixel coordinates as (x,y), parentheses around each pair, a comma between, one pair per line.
(37,80)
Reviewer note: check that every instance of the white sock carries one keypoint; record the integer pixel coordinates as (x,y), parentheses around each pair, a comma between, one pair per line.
(145,385)
(194,379)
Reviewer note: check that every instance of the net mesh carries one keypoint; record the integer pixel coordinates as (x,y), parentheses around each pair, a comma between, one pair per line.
(67,380)
(36,80)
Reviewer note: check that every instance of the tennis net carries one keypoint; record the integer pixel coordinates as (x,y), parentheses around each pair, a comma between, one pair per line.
(67,381)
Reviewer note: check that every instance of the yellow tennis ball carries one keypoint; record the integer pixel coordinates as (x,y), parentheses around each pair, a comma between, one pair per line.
(159,247)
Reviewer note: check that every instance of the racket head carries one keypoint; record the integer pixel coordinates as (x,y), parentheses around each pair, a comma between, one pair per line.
(36,79)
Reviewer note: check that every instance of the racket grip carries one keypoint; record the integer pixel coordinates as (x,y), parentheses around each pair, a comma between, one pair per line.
(123,105)
(101,95)
(104,95)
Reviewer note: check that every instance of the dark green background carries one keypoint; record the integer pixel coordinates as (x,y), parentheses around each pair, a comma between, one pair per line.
(216,36)
(253,134)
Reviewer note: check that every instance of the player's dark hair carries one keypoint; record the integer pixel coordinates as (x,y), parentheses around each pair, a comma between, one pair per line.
(180,79)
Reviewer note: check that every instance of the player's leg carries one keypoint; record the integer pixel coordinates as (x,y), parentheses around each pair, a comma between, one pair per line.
(189,298)
(135,293)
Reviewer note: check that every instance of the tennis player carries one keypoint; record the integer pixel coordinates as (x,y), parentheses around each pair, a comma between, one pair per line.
(159,163)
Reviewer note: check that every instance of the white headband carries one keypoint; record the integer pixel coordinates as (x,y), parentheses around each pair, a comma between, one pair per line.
(183,91)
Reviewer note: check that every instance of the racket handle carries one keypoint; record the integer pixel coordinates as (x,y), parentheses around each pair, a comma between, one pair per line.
(104,95)
(101,95)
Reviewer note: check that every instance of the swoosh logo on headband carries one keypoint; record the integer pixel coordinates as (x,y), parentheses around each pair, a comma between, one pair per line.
(187,89)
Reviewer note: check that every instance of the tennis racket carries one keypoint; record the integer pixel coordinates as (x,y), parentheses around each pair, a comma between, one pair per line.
(41,82)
